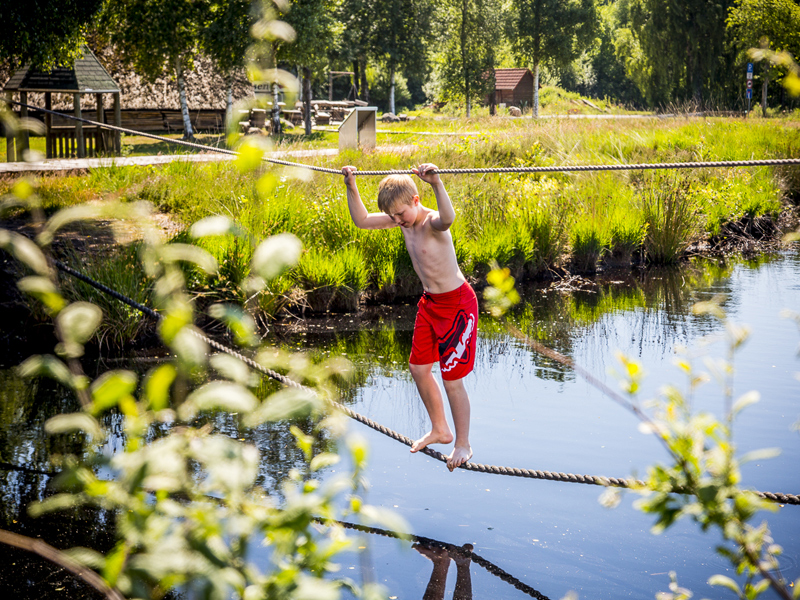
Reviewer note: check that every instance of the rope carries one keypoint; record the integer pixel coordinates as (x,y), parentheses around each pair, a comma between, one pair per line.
(477,467)
(460,550)
(551,169)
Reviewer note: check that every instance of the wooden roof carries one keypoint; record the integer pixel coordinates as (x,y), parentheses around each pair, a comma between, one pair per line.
(508,79)
(86,76)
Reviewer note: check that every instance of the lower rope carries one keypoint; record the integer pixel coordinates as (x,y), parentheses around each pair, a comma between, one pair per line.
(469,466)
(452,548)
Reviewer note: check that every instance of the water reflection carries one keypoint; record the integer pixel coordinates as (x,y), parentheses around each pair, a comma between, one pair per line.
(648,311)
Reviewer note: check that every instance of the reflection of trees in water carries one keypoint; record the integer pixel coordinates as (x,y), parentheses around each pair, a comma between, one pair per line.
(656,305)
(24,408)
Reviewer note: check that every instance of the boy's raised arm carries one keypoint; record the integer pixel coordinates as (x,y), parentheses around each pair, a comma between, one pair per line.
(447,215)
(358,212)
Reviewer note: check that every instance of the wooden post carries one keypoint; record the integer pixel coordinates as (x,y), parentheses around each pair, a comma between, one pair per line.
(76,102)
(100,137)
(118,123)
(24,135)
(48,125)
(11,155)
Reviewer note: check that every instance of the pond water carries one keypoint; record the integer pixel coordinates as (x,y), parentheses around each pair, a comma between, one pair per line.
(528,411)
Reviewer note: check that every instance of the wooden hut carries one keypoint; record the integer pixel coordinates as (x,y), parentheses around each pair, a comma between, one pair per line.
(65,137)
(513,87)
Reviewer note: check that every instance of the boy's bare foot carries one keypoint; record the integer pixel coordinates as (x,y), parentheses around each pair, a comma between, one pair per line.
(458,457)
(432,437)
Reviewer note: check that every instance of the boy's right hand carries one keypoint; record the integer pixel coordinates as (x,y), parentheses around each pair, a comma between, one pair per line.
(349,173)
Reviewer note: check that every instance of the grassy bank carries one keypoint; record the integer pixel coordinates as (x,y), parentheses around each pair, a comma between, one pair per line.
(530,223)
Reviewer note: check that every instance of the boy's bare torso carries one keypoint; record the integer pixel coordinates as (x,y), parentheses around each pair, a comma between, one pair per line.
(432,254)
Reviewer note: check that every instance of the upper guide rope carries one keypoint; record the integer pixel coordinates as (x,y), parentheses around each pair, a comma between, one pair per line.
(483,170)
(469,466)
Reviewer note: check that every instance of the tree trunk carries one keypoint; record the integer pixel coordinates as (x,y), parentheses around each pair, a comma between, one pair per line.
(764,89)
(535,107)
(188,134)
(464,57)
(307,99)
(391,89)
(493,103)
(364,83)
(229,101)
(357,79)
(276,109)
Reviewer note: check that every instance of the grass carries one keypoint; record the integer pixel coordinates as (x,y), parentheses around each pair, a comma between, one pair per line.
(528,222)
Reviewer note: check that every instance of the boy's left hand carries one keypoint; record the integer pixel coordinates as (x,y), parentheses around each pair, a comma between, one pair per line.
(427,172)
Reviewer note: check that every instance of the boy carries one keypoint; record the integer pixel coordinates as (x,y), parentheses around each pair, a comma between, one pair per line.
(446,325)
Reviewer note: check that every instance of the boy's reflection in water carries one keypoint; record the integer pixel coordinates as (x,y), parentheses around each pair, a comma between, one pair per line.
(441,563)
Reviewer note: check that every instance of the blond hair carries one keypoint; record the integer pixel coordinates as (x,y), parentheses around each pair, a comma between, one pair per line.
(396,188)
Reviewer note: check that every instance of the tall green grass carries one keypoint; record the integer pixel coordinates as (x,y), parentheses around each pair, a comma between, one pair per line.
(528,222)
(670,217)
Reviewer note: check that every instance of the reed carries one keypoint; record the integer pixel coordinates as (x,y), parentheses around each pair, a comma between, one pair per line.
(588,242)
(121,270)
(670,217)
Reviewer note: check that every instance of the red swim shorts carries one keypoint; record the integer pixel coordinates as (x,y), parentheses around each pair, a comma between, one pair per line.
(445,330)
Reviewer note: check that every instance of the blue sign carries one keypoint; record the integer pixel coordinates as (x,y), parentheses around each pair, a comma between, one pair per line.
(749,67)
(749,94)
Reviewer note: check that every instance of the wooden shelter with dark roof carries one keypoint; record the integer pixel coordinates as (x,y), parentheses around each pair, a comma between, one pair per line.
(67,138)
(513,87)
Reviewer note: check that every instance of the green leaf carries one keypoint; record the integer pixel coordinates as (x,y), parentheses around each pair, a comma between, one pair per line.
(219,395)
(727,582)
(190,349)
(311,588)
(191,254)
(110,388)
(238,321)
(216,225)
(46,366)
(250,155)
(65,216)
(796,590)
(77,322)
(276,254)
(74,422)
(761,454)
(744,401)
(323,460)
(53,503)
(304,442)
(231,368)
(157,386)
(286,404)
(25,251)
(386,518)
(22,189)
(359,450)
(115,562)
(266,185)
(86,557)
(43,289)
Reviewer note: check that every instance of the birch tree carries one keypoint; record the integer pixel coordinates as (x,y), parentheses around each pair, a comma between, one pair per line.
(157,37)
(226,38)
(314,24)
(552,31)
(472,30)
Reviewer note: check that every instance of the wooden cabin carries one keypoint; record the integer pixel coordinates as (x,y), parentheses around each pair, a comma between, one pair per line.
(513,87)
